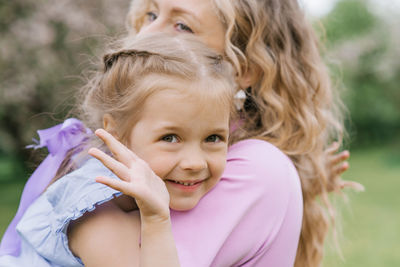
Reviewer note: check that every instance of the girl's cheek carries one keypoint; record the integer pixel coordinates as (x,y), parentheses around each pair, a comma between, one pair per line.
(161,165)
(219,164)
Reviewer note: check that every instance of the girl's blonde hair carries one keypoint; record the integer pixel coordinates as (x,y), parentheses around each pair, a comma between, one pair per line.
(140,67)
(292,104)
(128,77)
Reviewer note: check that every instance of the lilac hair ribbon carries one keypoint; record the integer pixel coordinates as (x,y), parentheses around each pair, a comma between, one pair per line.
(59,140)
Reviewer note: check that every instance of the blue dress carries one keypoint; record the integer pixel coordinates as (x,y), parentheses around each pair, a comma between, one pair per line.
(44,225)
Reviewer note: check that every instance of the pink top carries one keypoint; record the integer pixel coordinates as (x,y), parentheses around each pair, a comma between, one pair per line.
(252,217)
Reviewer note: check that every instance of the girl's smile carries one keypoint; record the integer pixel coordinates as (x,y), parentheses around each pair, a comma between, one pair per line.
(184,186)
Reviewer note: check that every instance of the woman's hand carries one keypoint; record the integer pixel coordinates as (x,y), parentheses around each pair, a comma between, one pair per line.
(337,164)
(137,179)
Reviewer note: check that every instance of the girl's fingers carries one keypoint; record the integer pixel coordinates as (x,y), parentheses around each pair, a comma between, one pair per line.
(113,165)
(120,152)
(113,183)
(124,187)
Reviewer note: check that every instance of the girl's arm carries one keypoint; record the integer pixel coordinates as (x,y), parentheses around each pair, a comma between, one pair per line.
(106,237)
(151,195)
(109,236)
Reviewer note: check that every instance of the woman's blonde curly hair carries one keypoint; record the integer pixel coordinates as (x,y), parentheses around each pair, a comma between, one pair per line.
(292,105)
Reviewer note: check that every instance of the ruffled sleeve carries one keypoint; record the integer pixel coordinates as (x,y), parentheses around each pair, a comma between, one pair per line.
(44,225)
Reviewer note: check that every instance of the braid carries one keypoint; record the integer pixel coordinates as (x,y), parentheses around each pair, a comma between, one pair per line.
(110,59)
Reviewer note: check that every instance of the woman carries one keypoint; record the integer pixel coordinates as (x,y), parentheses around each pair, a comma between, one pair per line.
(289,100)
(289,107)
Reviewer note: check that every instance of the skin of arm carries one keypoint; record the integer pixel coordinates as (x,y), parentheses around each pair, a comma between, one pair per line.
(107,236)
(158,245)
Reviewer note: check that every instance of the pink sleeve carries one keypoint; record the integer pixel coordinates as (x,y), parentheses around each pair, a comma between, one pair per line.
(251,218)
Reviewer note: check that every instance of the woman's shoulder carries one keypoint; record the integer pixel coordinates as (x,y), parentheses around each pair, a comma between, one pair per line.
(257,150)
(260,161)
(260,196)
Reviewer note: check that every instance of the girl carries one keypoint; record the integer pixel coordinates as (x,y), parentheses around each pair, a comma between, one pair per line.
(169,100)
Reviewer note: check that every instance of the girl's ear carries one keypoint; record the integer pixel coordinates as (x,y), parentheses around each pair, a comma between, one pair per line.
(109,124)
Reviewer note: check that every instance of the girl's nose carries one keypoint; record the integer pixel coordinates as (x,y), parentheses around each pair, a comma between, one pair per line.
(193,161)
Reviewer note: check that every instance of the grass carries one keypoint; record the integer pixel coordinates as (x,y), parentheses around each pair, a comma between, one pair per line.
(370,232)
(370,229)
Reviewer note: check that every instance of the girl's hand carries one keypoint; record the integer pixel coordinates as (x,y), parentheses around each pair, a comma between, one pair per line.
(137,179)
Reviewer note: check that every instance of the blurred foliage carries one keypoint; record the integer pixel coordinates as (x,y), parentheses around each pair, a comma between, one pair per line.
(348,20)
(45,46)
(367,47)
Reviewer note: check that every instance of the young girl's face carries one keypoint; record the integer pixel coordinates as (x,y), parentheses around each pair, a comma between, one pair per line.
(184,140)
(186,16)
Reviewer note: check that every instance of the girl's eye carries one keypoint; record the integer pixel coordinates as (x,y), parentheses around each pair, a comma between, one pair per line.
(171,138)
(151,16)
(213,138)
(182,27)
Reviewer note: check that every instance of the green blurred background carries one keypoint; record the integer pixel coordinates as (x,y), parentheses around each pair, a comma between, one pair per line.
(46,45)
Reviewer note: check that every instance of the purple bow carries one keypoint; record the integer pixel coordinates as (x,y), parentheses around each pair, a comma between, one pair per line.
(59,140)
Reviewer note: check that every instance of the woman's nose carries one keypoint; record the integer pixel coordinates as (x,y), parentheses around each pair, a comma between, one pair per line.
(158,25)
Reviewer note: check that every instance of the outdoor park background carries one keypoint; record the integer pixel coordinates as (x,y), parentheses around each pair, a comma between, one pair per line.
(45,46)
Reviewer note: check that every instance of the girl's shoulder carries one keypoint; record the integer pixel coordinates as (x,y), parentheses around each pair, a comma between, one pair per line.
(44,224)
(78,191)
